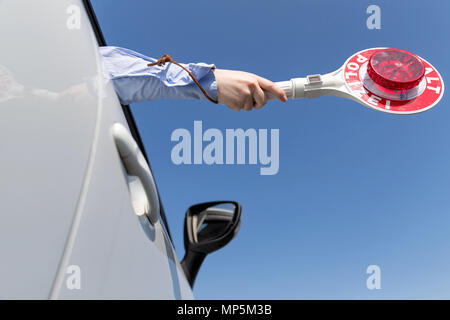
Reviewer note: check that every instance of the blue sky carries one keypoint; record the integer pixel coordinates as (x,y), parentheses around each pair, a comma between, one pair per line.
(355,187)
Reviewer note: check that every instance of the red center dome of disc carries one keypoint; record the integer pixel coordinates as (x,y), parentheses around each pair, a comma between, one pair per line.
(395,69)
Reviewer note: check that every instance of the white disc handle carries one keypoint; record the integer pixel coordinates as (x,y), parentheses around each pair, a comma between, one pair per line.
(315,85)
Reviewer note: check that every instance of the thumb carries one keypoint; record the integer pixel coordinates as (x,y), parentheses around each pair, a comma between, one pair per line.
(273,88)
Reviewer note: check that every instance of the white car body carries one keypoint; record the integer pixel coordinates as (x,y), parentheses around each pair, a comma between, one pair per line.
(65,201)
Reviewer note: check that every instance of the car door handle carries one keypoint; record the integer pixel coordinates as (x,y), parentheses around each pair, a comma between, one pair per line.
(136,165)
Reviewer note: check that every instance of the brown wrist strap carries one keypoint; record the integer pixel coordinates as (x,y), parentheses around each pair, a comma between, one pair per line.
(166,58)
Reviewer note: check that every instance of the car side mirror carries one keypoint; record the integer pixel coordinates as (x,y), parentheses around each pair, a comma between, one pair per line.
(208,227)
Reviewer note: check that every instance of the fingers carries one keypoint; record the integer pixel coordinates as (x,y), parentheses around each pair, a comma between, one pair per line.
(249,103)
(256,97)
(253,98)
(259,97)
(272,88)
(234,108)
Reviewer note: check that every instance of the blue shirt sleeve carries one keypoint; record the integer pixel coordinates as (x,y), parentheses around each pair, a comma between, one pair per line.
(134,81)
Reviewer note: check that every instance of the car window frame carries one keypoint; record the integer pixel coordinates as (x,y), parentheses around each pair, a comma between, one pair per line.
(125,108)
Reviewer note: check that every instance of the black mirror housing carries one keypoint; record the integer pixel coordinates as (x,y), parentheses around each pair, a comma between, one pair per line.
(208,227)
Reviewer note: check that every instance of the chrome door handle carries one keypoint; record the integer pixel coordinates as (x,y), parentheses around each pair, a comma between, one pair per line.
(136,165)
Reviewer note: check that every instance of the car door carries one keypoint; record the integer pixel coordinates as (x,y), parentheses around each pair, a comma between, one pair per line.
(73,222)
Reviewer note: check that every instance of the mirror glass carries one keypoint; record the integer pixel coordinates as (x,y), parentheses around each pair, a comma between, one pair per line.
(213,221)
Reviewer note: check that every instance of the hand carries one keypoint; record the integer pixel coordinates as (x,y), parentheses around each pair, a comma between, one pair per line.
(242,90)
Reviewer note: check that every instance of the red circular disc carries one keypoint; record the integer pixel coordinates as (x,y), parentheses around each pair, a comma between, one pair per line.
(395,69)
(432,93)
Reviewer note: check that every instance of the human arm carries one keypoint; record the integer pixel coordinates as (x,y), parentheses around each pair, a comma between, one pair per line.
(134,81)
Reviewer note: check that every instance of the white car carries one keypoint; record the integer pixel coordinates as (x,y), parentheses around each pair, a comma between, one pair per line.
(80,215)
